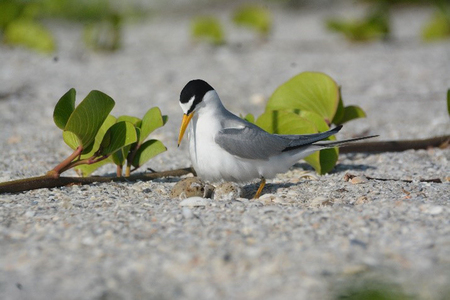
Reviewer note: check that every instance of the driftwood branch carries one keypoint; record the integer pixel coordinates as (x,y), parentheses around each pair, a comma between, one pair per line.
(47,181)
(396,146)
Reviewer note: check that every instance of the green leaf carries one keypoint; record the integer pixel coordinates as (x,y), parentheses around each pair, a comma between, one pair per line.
(120,156)
(448,101)
(315,119)
(165,119)
(207,29)
(30,34)
(72,140)
(352,112)
(151,121)
(86,120)
(311,91)
(87,169)
(146,151)
(324,160)
(133,120)
(339,111)
(437,28)
(103,135)
(282,122)
(64,108)
(250,118)
(9,11)
(255,17)
(375,25)
(121,134)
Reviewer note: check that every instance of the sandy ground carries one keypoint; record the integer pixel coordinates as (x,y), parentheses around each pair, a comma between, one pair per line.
(309,239)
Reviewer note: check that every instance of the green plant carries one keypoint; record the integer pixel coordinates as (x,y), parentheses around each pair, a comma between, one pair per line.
(448,101)
(254,17)
(104,34)
(209,29)
(308,103)
(374,26)
(18,21)
(98,138)
(438,27)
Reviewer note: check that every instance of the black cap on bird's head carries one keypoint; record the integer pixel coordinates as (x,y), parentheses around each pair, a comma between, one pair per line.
(191,95)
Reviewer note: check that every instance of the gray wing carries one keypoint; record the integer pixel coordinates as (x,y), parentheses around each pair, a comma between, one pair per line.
(251,142)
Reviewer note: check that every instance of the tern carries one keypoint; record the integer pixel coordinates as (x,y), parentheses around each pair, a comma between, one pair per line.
(225,147)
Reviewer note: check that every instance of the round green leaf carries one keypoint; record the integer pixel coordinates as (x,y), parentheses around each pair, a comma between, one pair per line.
(103,135)
(119,135)
(339,112)
(120,156)
(133,120)
(314,118)
(64,108)
(311,91)
(151,121)
(352,112)
(87,118)
(71,139)
(146,151)
(282,122)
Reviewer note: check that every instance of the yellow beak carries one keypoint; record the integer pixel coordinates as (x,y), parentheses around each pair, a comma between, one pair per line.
(184,124)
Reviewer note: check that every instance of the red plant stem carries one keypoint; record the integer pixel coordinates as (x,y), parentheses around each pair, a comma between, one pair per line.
(88,161)
(56,171)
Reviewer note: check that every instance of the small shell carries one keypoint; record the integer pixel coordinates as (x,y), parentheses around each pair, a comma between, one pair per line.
(194,202)
(320,201)
(359,180)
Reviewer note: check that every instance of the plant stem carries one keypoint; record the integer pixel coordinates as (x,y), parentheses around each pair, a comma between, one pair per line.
(56,171)
(130,159)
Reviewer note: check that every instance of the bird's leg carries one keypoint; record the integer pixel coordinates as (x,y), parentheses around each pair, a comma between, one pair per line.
(261,186)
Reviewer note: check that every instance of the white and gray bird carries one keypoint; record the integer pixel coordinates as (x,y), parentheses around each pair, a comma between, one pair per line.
(224,147)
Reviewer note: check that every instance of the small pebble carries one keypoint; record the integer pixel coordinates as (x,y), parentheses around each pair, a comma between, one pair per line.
(320,201)
(432,209)
(267,198)
(361,200)
(30,214)
(187,213)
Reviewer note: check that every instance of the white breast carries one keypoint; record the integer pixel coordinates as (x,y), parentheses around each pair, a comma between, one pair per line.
(212,163)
